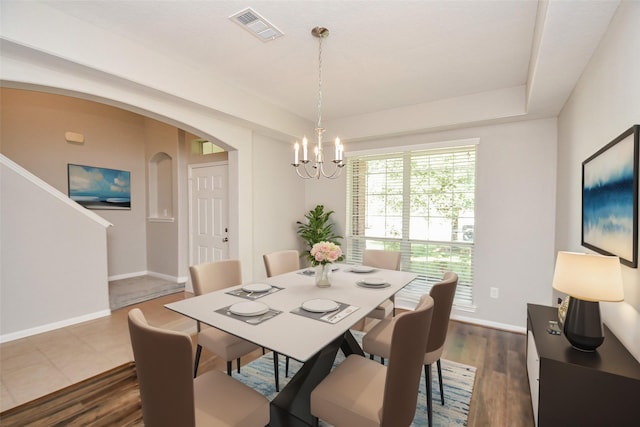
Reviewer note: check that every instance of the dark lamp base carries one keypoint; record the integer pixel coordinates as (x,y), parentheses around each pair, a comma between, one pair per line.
(582,326)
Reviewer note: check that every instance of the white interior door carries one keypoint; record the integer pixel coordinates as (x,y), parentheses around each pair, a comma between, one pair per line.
(208,212)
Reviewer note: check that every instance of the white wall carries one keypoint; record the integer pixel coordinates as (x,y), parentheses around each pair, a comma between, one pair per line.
(53,255)
(515,214)
(605,103)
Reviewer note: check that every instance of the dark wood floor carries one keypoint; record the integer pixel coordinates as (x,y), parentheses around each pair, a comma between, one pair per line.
(501,394)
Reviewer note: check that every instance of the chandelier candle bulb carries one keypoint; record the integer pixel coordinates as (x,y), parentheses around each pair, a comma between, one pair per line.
(337,157)
(296,149)
(304,149)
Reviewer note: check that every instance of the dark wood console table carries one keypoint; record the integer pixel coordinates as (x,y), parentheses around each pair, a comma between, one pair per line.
(573,388)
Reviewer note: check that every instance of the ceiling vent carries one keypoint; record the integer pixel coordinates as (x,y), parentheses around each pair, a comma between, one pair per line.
(251,21)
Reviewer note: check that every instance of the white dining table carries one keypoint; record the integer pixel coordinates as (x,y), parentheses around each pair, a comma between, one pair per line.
(294,332)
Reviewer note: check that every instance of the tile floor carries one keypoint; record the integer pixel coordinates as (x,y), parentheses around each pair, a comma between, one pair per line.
(35,366)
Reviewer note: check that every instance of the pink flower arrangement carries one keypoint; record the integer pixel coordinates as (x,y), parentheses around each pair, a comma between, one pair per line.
(325,253)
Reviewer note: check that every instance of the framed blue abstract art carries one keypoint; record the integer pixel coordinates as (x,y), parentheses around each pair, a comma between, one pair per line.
(610,199)
(99,188)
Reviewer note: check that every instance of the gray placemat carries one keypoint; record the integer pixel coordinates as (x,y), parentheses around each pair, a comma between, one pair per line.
(330,317)
(253,295)
(311,271)
(307,272)
(252,320)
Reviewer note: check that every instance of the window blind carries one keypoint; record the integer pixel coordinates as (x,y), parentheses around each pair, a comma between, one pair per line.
(420,203)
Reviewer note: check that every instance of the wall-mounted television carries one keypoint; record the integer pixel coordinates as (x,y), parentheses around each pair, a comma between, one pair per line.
(99,188)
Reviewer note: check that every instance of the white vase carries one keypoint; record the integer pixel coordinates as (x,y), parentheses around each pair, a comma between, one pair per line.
(323,275)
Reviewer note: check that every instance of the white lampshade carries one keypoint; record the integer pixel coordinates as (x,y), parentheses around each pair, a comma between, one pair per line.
(588,277)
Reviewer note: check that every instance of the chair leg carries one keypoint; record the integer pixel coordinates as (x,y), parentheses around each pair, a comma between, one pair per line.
(238,364)
(371,356)
(382,360)
(229,367)
(440,380)
(286,367)
(276,370)
(427,379)
(195,369)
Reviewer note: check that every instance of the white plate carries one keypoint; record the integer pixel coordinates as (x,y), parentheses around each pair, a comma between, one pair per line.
(362,269)
(364,285)
(376,281)
(256,287)
(320,305)
(249,308)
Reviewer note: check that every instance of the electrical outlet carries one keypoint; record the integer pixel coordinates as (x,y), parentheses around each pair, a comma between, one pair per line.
(494,292)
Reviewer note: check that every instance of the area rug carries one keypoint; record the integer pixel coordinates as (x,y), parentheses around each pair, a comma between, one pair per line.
(135,290)
(458,382)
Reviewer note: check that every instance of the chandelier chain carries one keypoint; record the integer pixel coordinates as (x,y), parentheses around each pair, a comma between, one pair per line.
(316,168)
(320,83)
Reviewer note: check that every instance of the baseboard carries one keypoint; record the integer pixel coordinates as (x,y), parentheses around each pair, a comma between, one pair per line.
(127,275)
(175,279)
(490,324)
(472,320)
(52,326)
(167,277)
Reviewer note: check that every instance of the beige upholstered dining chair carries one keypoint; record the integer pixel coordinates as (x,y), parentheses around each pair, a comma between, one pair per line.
(172,397)
(378,340)
(361,392)
(389,260)
(209,277)
(281,262)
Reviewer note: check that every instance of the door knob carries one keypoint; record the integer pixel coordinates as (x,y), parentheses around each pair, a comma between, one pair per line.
(225,240)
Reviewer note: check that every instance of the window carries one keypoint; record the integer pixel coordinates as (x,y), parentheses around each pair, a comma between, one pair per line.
(204,147)
(420,203)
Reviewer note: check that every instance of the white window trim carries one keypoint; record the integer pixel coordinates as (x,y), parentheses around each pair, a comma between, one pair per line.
(418,147)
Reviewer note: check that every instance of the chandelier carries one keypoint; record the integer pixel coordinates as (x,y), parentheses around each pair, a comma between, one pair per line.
(306,168)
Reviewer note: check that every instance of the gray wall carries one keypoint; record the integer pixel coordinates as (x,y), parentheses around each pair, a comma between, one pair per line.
(515,212)
(605,103)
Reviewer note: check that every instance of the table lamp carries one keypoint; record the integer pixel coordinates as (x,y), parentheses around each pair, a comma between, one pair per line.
(587,279)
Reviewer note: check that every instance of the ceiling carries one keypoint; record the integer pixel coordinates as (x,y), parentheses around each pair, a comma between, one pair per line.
(380,55)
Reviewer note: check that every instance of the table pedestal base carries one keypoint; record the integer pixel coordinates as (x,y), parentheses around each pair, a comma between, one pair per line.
(292,407)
